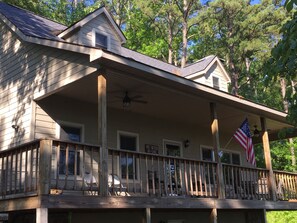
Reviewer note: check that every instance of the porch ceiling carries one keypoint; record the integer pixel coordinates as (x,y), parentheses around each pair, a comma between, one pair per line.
(170,101)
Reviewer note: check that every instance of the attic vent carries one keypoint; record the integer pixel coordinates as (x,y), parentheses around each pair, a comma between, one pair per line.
(101,40)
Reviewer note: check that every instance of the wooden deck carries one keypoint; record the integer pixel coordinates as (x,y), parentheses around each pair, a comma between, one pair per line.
(67,170)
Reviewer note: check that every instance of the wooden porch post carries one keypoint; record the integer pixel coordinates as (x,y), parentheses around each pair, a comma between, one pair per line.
(41,215)
(45,158)
(216,146)
(148,215)
(102,135)
(266,148)
(213,218)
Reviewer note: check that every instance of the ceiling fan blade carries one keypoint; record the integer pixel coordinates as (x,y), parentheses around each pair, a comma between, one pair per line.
(136,97)
(140,101)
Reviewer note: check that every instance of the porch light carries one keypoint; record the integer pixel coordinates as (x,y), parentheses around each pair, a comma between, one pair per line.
(186,143)
(256,132)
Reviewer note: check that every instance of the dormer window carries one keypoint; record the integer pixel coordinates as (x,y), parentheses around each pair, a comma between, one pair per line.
(100,40)
(216,83)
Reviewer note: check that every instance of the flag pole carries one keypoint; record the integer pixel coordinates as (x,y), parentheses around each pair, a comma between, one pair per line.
(228,142)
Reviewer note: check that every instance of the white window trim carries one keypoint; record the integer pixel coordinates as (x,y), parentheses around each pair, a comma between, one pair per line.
(119,133)
(172,142)
(94,31)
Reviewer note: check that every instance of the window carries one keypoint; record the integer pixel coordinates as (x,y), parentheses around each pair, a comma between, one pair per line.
(207,154)
(100,40)
(70,162)
(216,83)
(230,158)
(172,148)
(128,141)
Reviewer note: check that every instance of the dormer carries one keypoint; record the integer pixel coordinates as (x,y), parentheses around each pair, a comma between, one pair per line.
(98,29)
(208,71)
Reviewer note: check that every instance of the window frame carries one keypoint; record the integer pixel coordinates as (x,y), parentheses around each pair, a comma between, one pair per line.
(96,31)
(130,134)
(172,142)
(218,86)
(209,148)
(230,152)
(58,135)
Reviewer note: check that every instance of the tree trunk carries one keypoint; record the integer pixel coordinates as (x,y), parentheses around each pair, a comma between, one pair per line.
(184,34)
(170,39)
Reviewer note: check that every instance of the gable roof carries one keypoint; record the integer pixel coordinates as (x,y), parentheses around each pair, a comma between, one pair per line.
(31,24)
(202,66)
(91,16)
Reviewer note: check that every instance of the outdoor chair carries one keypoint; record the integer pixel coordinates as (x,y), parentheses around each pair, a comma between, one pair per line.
(115,186)
(90,184)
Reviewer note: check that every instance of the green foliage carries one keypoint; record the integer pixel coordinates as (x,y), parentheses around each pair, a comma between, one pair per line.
(280,155)
(283,62)
(281,216)
(242,34)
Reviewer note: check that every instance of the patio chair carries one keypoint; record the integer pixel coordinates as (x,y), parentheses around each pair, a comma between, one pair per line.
(115,186)
(90,184)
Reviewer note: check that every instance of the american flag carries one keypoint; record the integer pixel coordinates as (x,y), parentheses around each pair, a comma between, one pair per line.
(243,136)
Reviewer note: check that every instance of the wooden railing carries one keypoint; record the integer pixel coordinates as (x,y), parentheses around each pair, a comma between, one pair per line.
(286,185)
(19,170)
(74,167)
(157,175)
(245,183)
(57,167)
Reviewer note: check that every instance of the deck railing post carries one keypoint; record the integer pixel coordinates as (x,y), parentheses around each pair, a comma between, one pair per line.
(266,147)
(216,145)
(102,135)
(45,158)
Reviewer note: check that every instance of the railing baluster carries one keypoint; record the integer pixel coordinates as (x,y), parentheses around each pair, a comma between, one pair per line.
(15,171)
(165,177)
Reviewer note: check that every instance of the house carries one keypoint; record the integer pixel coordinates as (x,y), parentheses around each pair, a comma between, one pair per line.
(92,131)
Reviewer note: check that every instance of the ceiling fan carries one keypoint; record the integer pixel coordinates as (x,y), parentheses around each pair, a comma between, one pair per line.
(127,100)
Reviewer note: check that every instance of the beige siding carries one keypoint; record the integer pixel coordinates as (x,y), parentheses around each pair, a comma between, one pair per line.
(214,71)
(45,126)
(101,24)
(27,71)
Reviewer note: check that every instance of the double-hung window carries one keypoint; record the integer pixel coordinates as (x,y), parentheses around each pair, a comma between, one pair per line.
(128,141)
(69,158)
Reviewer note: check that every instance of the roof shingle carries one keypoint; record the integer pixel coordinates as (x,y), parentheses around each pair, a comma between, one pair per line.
(30,24)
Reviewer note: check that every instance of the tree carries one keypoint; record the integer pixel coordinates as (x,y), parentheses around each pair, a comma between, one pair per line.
(283,63)
(242,34)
